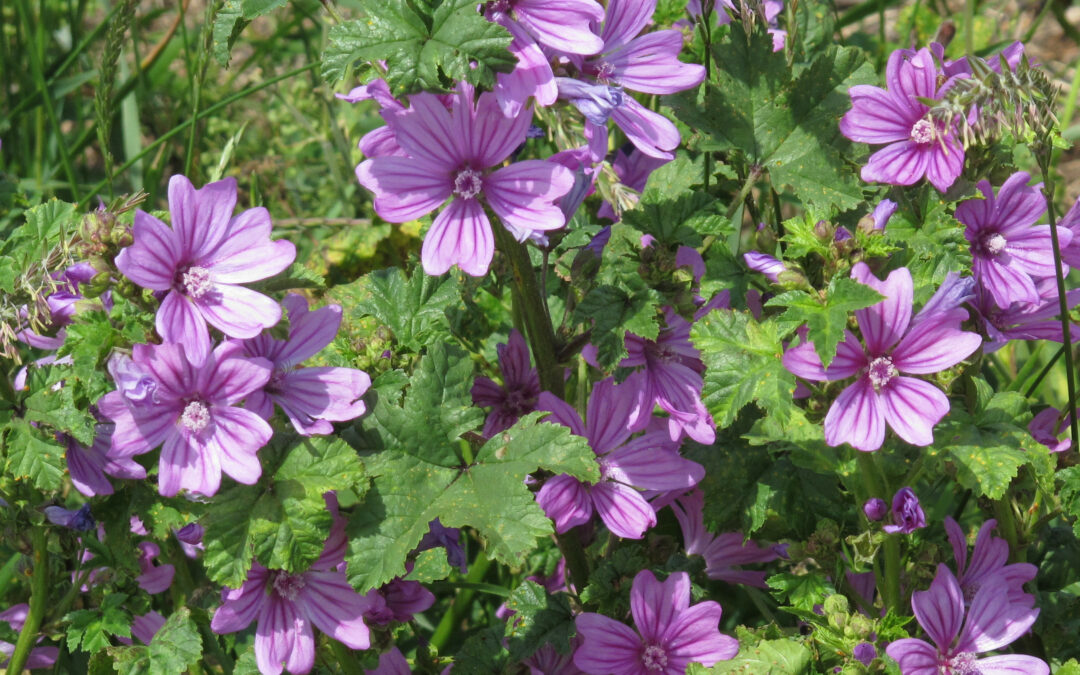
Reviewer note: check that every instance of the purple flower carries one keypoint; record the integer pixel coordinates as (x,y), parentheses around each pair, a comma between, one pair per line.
(449,154)
(1023,320)
(190,410)
(312,398)
(649,461)
(907,513)
(40,657)
(190,537)
(670,377)
(450,539)
(875,509)
(1047,426)
(146,626)
(61,304)
(882,212)
(200,261)
(519,392)
(670,633)
(992,623)
(1008,250)
(864,653)
(721,552)
(563,25)
(391,662)
(765,264)
(988,563)
(917,145)
(286,605)
(895,343)
(79,520)
(547,661)
(398,600)
(88,466)
(154,578)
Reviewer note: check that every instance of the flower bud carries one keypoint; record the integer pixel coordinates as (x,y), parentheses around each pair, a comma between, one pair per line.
(875,509)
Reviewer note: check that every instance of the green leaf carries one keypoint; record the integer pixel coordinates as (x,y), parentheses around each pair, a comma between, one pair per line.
(826,320)
(413,486)
(1070,494)
(1070,667)
(482,654)
(33,456)
(768,657)
(57,408)
(539,618)
(282,521)
(674,213)
(430,565)
(422,52)
(255,8)
(91,628)
(800,591)
(930,239)
(46,226)
(742,361)
(228,23)
(988,449)
(296,276)
(175,648)
(414,309)
(788,126)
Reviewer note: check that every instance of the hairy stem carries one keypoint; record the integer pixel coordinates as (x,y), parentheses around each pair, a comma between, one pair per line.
(39,599)
(889,584)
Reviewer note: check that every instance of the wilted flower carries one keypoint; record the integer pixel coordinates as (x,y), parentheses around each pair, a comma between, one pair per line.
(917,144)
(397,600)
(154,578)
(896,342)
(649,461)
(391,662)
(671,634)
(79,520)
(190,410)
(1047,426)
(992,623)
(449,154)
(448,538)
(286,605)
(721,552)
(312,398)
(907,513)
(521,386)
(190,537)
(200,261)
(864,653)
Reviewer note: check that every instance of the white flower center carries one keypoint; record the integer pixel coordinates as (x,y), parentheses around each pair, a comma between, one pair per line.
(654,658)
(604,71)
(288,585)
(922,132)
(196,282)
(468,183)
(994,243)
(881,371)
(196,416)
(963,663)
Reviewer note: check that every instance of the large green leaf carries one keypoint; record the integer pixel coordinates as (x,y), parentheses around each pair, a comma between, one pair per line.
(826,318)
(768,657)
(175,648)
(422,51)
(539,618)
(33,457)
(742,361)
(414,484)
(988,448)
(282,521)
(786,125)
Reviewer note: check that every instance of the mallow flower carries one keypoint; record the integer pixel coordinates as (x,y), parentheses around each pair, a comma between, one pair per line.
(907,513)
(519,392)
(450,155)
(189,409)
(312,398)
(915,144)
(1009,251)
(992,623)
(989,560)
(200,262)
(895,342)
(670,633)
(1048,425)
(286,605)
(88,466)
(650,461)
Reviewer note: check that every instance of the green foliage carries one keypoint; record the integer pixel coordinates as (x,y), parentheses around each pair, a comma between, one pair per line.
(89,629)
(826,319)
(768,657)
(424,50)
(989,447)
(931,241)
(801,591)
(282,521)
(34,245)
(174,649)
(673,212)
(742,361)
(1070,494)
(413,308)
(419,475)
(785,123)
(33,456)
(539,618)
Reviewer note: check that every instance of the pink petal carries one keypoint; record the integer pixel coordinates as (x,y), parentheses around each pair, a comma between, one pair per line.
(237,311)
(901,163)
(152,260)
(283,637)
(562,24)
(623,509)
(460,235)
(610,409)
(335,608)
(650,132)
(313,395)
(186,465)
(179,321)
(625,19)
(566,501)
(523,193)
(912,407)
(1013,664)
(201,217)
(651,64)
(608,647)
(238,436)
(641,464)
(262,259)
(655,605)
(944,164)
(933,346)
(561,412)
(492,135)
(883,324)
(856,417)
(228,380)
(914,656)
(426,131)
(404,188)
(877,117)
(940,610)
(694,636)
(240,606)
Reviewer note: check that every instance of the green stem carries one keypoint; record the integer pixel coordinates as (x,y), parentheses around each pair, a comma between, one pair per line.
(207,112)
(1006,517)
(576,563)
(1044,372)
(461,603)
(346,660)
(969,26)
(889,584)
(1063,303)
(491,589)
(39,599)
(1030,364)
(534,309)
